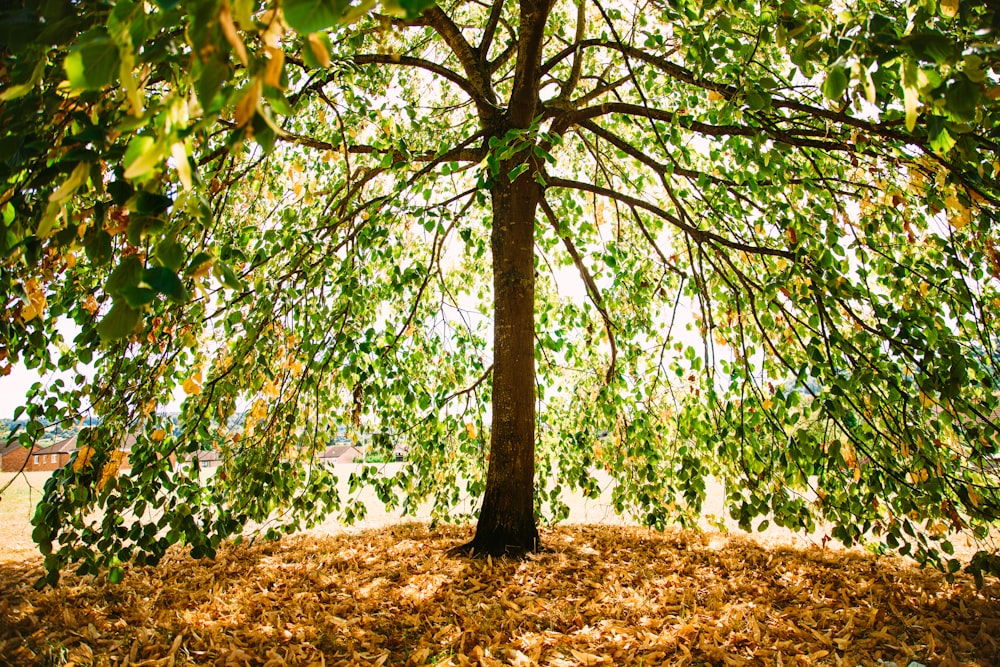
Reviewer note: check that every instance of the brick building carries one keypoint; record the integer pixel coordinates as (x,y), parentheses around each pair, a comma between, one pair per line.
(14,458)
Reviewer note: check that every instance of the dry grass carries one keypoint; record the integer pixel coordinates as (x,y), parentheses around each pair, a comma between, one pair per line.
(607,595)
(17,504)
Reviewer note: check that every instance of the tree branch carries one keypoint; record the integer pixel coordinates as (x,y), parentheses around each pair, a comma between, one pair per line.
(489,32)
(459,153)
(479,79)
(699,235)
(409,61)
(687,76)
(574,76)
(607,108)
(593,291)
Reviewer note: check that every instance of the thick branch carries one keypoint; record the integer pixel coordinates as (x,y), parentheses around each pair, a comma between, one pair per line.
(699,235)
(607,108)
(524,93)
(440,70)
(483,95)
(490,31)
(687,76)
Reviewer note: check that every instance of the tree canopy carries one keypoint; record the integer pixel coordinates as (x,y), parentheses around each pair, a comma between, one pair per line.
(526,240)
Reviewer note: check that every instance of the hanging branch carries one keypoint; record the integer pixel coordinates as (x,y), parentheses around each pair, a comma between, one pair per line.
(593,291)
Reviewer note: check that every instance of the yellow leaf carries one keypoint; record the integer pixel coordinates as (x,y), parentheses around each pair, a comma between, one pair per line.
(192,385)
(36,300)
(949,8)
(910,93)
(959,220)
(129,83)
(180,157)
(470,430)
(867,84)
(275,65)
(319,49)
(147,160)
(587,659)
(247,106)
(83,458)
(232,36)
(158,435)
(69,186)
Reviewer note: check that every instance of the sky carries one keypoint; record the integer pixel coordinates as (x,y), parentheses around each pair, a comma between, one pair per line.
(13,389)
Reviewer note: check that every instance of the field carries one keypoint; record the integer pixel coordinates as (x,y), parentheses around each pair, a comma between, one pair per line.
(388,593)
(17,504)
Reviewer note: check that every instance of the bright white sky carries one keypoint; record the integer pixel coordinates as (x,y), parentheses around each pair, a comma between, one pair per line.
(13,389)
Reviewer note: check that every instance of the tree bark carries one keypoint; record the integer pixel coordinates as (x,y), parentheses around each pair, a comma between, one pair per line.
(507,517)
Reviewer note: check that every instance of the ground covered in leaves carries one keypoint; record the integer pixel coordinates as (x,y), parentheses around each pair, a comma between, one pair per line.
(599,595)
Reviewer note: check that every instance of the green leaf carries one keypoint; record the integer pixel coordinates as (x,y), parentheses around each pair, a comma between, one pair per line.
(517,171)
(757,101)
(137,296)
(126,274)
(942,142)
(92,65)
(118,323)
(20,90)
(836,83)
(228,276)
(116,575)
(97,245)
(166,282)
(120,192)
(962,99)
(932,46)
(151,203)
(170,254)
(214,73)
(306,16)
(140,157)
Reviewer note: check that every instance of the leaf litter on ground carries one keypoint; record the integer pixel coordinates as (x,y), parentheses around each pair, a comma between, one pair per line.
(598,595)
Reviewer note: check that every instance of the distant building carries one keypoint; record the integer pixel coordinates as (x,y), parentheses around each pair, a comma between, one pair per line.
(15,458)
(340,454)
(209,459)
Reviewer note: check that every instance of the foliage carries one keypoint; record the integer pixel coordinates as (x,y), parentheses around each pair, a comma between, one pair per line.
(783,219)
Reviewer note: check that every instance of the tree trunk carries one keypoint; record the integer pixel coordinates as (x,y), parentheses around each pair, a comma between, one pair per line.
(507,518)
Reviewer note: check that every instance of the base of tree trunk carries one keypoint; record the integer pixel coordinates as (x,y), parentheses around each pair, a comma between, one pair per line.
(499,545)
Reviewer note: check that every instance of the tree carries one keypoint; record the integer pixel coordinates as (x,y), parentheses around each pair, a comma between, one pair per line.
(781,217)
